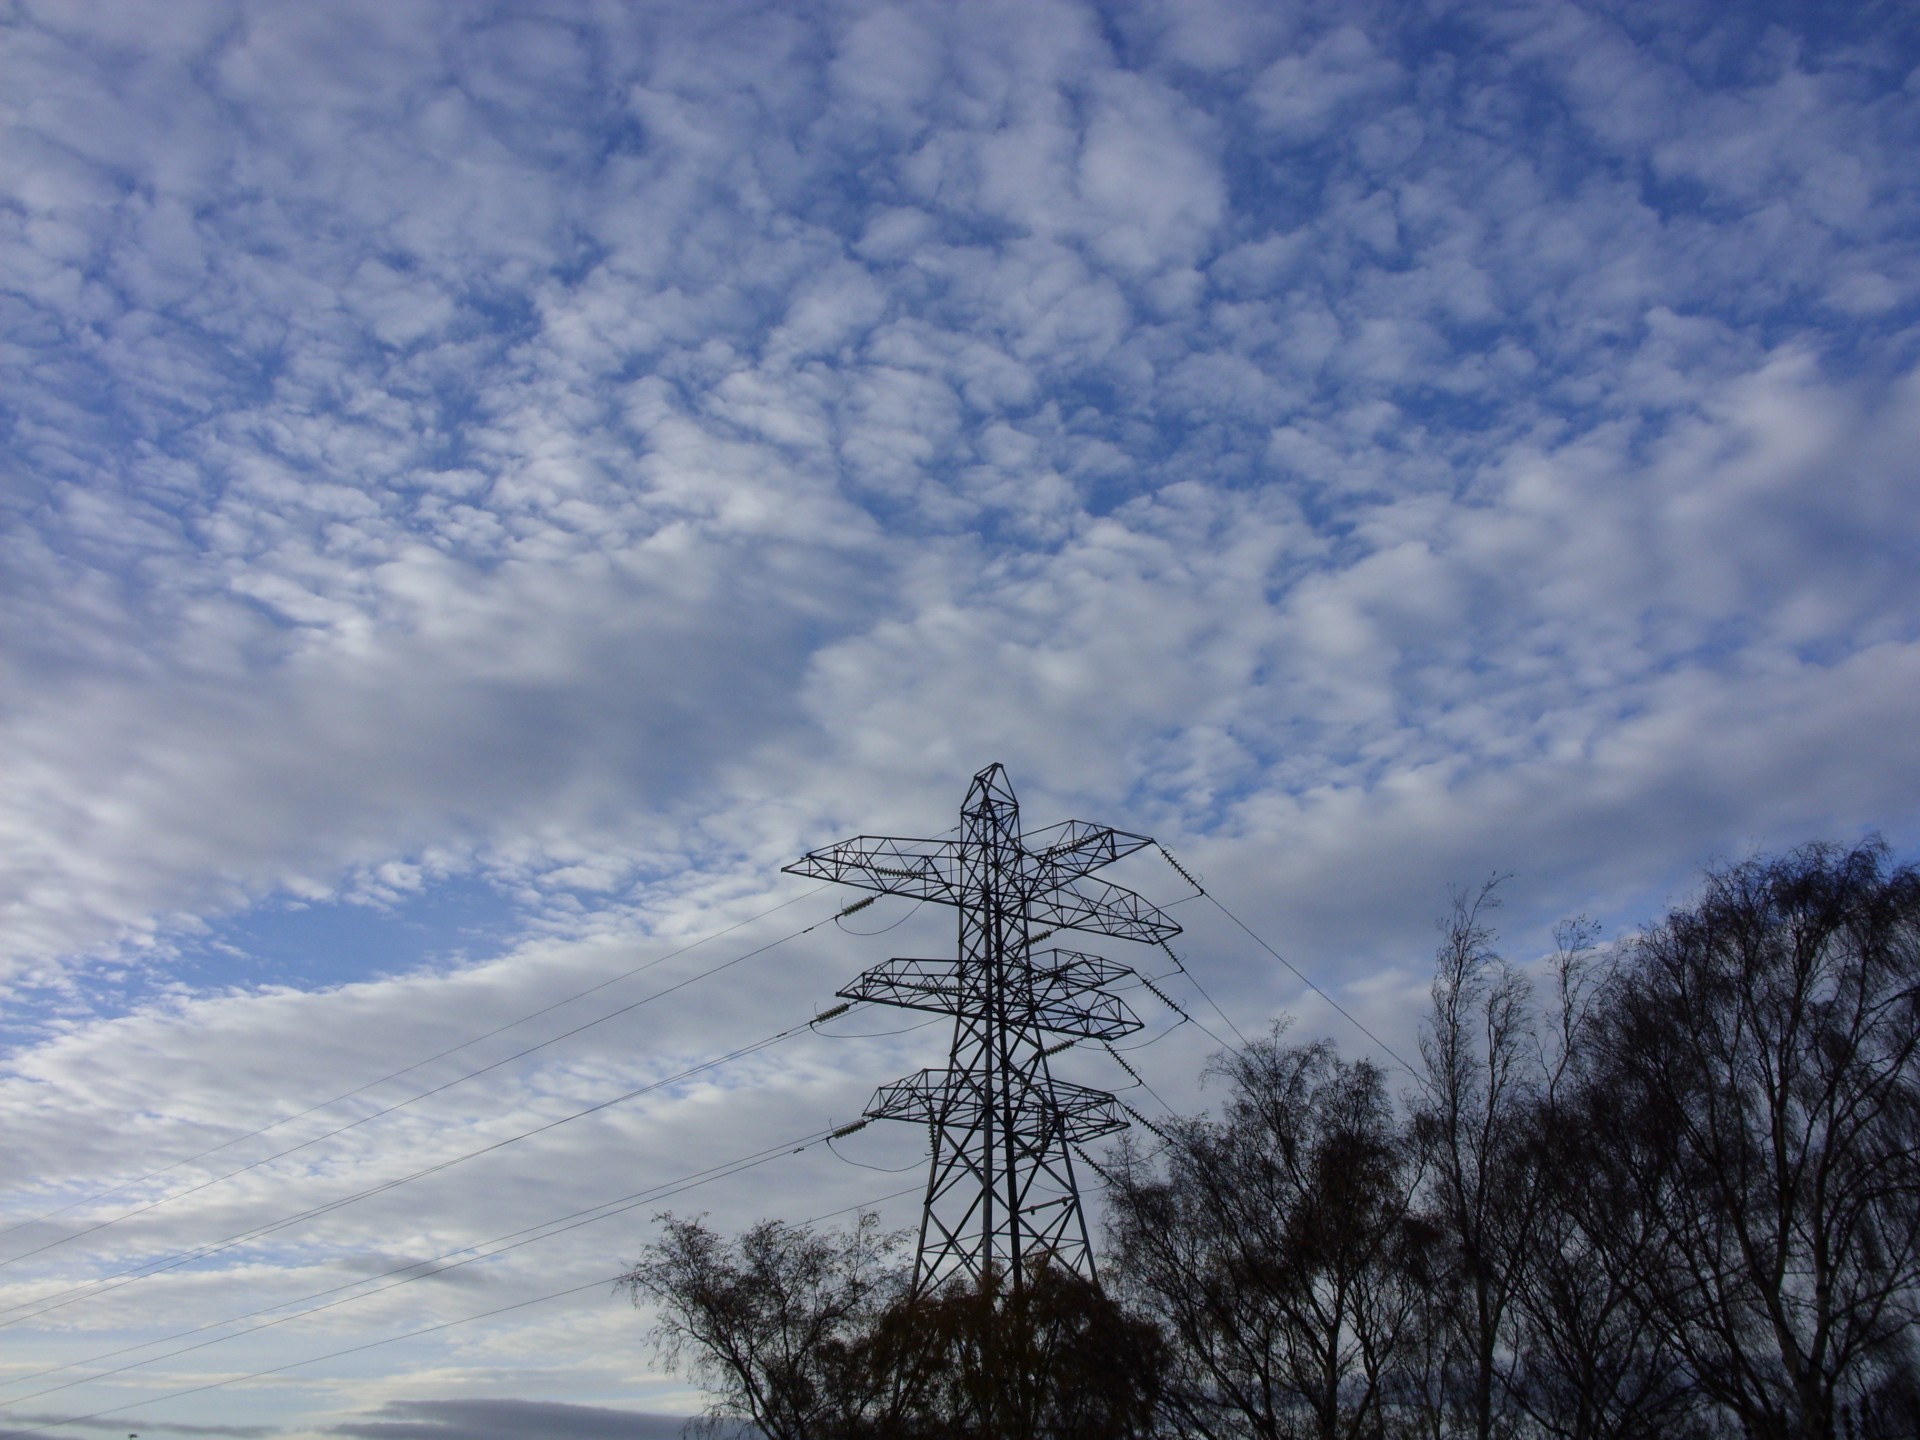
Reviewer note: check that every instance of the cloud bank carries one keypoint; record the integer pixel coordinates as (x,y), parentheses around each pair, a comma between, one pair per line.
(555,464)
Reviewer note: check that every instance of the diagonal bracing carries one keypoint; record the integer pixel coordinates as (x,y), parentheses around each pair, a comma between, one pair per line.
(1001,1192)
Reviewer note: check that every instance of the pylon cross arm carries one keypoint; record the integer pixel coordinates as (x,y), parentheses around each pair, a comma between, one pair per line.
(1061,994)
(1068,972)
(919,869)
(1067,996)
(937,1097)
(911,984)
(1073,848)
(1001,1191)
(1087,1017)
(1102,908)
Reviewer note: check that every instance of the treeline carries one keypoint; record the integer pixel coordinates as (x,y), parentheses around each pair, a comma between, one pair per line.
(1673,1190)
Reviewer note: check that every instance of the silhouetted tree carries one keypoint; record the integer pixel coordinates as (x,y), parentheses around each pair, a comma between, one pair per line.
(1054,1360)
(785,1328)
(1275,1247)
(1483,1079)
(1761,1087)
(817,1337)
(1684,1203)
(1587,1362)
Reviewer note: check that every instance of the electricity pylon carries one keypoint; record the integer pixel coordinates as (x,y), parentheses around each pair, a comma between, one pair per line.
(1001,1194)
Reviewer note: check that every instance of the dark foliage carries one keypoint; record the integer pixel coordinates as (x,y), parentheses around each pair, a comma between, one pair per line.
(787,1329)
(1682,1200)
(1056,1360)
(1758,1061)
(1276,1247)
(1484,1078)
(814,1336)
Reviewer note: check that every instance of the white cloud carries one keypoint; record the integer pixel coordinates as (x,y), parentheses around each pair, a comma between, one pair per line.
(1300,94)
(584,458)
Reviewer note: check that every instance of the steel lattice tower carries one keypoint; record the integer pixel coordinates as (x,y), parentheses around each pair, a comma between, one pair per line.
(1001,1193)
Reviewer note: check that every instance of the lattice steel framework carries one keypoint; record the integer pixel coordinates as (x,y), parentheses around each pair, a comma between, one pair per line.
(1001,1192)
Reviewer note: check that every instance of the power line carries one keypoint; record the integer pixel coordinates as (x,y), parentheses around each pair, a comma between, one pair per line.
(1138,1078)
(1001,1190)
(880,1169)
(1151,985)
(408,1069)
(863,1205)
(759,1158)
(1298,974)
(147,1269)
(881,1034)
(519,1238)
(415,1099)
(558,1225)
(313,1359)
(642,1197)
(1194,980)
(1155,1040)
(105,1285)
(1180,964)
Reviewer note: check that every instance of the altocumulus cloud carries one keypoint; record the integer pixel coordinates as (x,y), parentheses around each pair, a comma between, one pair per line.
(486,484)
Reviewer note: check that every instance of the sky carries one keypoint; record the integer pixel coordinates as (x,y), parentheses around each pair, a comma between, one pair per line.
(486,485)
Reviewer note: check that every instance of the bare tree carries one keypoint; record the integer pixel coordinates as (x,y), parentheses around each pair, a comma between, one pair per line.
(1588,1362)
(1684,1202)
(1482,1079)
(786,1329)
(819,1337)
(1763,1082)
(1274,1246)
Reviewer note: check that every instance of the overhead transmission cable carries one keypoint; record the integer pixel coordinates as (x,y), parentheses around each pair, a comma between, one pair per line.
(424,1094)
(310,1360)
(1180,964)
(759,1158)
(628,1202)
(504,1244)
(1152,986)
(417,1064)
(106,1284)
(864,1204)
(1298,974)
(881,1169)
(510,1241)
(579,1218)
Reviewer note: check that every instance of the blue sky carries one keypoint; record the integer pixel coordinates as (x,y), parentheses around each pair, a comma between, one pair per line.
(485,485)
